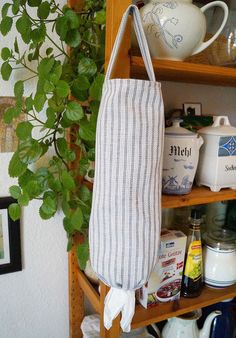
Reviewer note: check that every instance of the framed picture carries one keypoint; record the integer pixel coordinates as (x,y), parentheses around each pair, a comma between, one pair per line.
(192,109)
(8,138)
(10,243)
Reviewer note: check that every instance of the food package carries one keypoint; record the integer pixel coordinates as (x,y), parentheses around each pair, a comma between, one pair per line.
(165,281)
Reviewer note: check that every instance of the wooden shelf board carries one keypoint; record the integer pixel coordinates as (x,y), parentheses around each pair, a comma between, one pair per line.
(199,195)
(163,311)
(89,291)
(185,72)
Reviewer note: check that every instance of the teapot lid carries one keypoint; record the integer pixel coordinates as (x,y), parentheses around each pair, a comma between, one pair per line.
(221,240)
(177,130)
(220,127)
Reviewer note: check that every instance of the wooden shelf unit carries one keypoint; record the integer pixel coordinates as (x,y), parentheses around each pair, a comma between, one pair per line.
(169,71)
(185,72)
(162,311)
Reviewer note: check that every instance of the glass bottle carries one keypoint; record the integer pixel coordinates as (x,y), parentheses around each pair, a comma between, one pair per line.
(192,281)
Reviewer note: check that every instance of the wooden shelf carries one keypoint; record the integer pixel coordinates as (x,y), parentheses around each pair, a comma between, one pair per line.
(163,311)
(199,195)
(186,72)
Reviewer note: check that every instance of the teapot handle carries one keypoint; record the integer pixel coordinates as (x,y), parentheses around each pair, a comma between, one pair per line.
(221,4)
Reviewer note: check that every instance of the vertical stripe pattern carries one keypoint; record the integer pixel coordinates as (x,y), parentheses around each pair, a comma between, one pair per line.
(125,220)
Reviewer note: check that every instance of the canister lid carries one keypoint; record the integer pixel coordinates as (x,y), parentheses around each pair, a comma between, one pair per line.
(220,127)
(221,239)
(177,130)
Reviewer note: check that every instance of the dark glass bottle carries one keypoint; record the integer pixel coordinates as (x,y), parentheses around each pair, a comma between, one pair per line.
(192,278)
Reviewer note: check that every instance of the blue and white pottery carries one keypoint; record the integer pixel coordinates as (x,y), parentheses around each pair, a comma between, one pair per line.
(181,153)
(217,163)
(175,29)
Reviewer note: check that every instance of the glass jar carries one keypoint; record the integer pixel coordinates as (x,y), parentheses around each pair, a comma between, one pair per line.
(219,257)
(223,50)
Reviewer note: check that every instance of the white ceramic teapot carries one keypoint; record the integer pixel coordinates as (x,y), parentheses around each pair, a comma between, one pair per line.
(186,326)
(175,29)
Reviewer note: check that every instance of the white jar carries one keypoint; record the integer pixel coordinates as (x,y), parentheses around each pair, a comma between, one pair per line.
(181,152)
(219,257)
(217,161)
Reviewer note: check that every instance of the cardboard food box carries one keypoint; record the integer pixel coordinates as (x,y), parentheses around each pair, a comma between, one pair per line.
(165,281)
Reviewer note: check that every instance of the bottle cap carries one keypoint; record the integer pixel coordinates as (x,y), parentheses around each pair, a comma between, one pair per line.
(196,214)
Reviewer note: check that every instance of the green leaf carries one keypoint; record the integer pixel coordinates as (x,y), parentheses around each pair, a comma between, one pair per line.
(49,206)
(62,89)
(87,67)
(9,115)
(87,130)
(23,200)
(73,38)
(43,10)
(95,90)
(74,111)
(15,7)
(27,176)
(82,82)
(69,244)
(23,130)
(6,70)
(5,9)
(77,219)
(72,18)
(19,89)
(68,226)
(16,47)
(45,67)
(15,191)
(5,53)
(54,184)
(39,101)
(23,25)
(84,193)
(100,17)
(16,166)
(33,189)
(34,3)
(49,50)
(5,25)
(67,180)
(83,254)
(48,86)
(38,35)
(83,166)
(29,102)
(29,151)
(62,27)
(14,211)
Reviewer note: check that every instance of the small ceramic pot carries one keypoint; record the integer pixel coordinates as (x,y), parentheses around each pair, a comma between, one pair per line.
(181,152)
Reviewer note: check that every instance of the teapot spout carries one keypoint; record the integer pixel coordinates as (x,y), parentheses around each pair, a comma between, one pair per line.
(205,331)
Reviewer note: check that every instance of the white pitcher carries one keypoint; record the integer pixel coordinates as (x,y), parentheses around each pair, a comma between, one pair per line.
(175,29)
(186,326)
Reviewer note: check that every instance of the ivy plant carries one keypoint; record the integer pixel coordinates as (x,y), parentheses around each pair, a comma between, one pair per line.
(62,107)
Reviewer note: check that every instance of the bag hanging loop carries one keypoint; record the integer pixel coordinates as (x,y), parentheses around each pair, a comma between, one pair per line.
(141,38)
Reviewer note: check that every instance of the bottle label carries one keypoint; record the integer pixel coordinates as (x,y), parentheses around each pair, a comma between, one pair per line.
(193,267)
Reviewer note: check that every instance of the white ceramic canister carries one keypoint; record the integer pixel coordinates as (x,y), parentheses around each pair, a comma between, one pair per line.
(181,152)
(219,257)
(217,162)
(175,29)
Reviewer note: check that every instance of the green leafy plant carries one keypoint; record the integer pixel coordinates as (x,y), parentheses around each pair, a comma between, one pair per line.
(62,109)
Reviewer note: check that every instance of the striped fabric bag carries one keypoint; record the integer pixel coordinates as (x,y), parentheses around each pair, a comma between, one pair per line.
(125,221)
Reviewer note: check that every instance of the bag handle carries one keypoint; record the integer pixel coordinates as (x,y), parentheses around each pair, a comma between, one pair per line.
(142,42)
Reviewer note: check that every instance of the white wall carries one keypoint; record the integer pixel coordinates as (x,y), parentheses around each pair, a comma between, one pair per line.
(34,301)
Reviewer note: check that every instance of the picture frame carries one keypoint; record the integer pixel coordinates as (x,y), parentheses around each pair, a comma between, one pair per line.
(10,239)
(192,108)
